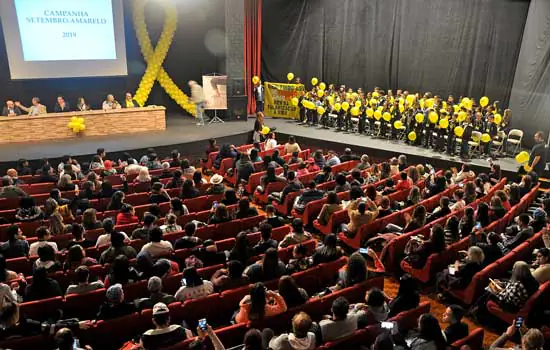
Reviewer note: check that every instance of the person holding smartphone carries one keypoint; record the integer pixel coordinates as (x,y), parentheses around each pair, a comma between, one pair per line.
(460,274)
(360,213)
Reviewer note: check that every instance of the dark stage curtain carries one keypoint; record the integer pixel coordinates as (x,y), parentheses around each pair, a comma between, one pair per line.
(444,46)
(530,99)
(252,46)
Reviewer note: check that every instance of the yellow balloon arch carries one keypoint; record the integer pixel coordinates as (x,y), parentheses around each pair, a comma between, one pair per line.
(156,56)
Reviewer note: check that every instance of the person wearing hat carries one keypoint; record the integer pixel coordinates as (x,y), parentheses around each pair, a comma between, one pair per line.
(311,166)
(347,156)
(164,334)
(539,220)
(115,306)
(217,185)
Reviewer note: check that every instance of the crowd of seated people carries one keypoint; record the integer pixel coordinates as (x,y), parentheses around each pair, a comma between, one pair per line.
(369,188)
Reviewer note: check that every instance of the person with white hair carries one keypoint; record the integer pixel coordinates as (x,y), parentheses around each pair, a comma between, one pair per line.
(197,96)
(110,103)
(154,286)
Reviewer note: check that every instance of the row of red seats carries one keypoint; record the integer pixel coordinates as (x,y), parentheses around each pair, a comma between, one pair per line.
(393,252)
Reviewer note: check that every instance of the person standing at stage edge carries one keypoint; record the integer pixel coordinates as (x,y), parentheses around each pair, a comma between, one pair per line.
(537,156)
(259,96)
(197,96)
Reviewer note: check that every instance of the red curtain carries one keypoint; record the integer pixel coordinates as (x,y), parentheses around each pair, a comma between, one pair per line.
(252,47)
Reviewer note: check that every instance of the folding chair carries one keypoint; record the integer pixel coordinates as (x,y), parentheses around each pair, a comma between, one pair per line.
(514,138)
(474,143)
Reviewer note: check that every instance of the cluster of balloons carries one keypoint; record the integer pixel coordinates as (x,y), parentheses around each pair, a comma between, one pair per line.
(156,56)
(255,79)
(76,125)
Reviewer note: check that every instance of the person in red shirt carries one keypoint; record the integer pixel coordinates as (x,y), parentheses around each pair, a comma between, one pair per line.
(311,166)
(404,183)
(127,215)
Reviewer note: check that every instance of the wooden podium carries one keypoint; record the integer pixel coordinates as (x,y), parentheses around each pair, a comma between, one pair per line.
(52,126)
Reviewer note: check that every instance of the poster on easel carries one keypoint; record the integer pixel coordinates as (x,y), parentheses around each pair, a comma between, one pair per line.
(215,91)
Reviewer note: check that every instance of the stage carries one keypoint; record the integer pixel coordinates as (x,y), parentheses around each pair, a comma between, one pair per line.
(182,133)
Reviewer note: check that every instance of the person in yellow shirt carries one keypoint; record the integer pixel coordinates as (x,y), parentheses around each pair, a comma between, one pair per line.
(129,101)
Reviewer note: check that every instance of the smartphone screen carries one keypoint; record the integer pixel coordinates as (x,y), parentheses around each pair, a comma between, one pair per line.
(202,324)
(452,270)
(518,322)
(215,204)
(478,225)
(364,250)
(386,325)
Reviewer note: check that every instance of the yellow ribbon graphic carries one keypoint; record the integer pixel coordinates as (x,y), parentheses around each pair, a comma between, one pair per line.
(156,56)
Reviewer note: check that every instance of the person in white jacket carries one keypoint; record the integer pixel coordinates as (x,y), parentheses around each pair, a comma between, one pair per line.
(300,339)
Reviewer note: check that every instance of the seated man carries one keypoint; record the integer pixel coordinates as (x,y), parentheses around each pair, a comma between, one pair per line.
(189,240)
(333,159)
(115,306)
(36,109)
(309,195)
(347,156)
(154,286)
(272,218)
(517,234)
(456,329)
(341,323)
(442,210)
(10,109)
(110,103)
(541,267)
(164,334)
(293,185)
(83,285)
(266,241)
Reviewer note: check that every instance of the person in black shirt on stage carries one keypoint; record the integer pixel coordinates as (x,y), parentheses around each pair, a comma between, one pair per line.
(259,96)
(61,105)
(537,157)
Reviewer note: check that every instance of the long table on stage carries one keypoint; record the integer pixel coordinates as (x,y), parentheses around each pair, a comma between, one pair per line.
(53,126)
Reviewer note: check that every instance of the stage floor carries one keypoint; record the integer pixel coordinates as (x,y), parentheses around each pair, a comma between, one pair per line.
(182,131)
(179,129)
(290,127)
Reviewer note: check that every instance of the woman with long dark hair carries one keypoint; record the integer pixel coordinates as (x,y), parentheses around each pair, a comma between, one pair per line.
(255,306)
(429,335)
(329,251)
(291,293)
(270,267)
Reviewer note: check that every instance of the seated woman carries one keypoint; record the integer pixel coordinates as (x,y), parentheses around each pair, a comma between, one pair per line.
(504,198)
(89,219)
(467,222)
(357,271)
(300,261)
(414,222)
(414,197)
(291,293)
(496,209)
(6,275)
(47,259)
(76,257)
(127,215)
(177,180)
(188,190)
(244,168)
(419,250)
(460,274)
(330,207)
(231,277)
(376,308)
(384,209)
(260,303)
(407,298)
(440,211)
(245,210)
(429,335)
(170,224)
(451,230)
(230,197)
(241,251)
(512,295)
(219,215)
(514,194)
(193,286)
(329,251)
(342,183)
(525,185)
(28,210)
(121,272)
(177,207)
(158,194)
(65,183)
(117,201)
(270,267)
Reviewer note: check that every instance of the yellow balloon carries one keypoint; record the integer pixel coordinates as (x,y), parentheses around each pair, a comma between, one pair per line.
(462,116)
(465,100)
(444,123)
(410,99)
(337,106)
(354,94)
(459,131)
(419,117)
(75,129)
(401,108)
(322,86)
(304,102)
(377,115)
(411,136)
(266,130)
(398,124)
(357,103)
(432,117)
(484,101)
(345,106)
(321,110)
(294,101)
(485,138)
(429,103)
(290,76)
(456,108)
(370,112)
(444,105)
(522,157)
(354,111)
(375,94)
(469,105)
(386,116)
(380,108)
(311,105)
(320,93)
(255,79)
(498,119)
(74,119)
(82,127)
(401,101)
(80,120)
(314,81)
(373,102)
(330,99)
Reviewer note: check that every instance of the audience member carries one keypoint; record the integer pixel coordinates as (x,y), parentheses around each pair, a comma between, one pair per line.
(154,287)
(115,306)
(298,234)
(43,235)
(456,329)
(193,286)
(16,246)
(231,277)
(157,246)
(164,334)
(117,248)
(260,303)
(266,241)
(83,285)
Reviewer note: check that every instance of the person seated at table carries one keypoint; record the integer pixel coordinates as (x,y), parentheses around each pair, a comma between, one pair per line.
(129,101)
(10,109)
(81,105)
(36,108)
(61,105)
(110,103)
